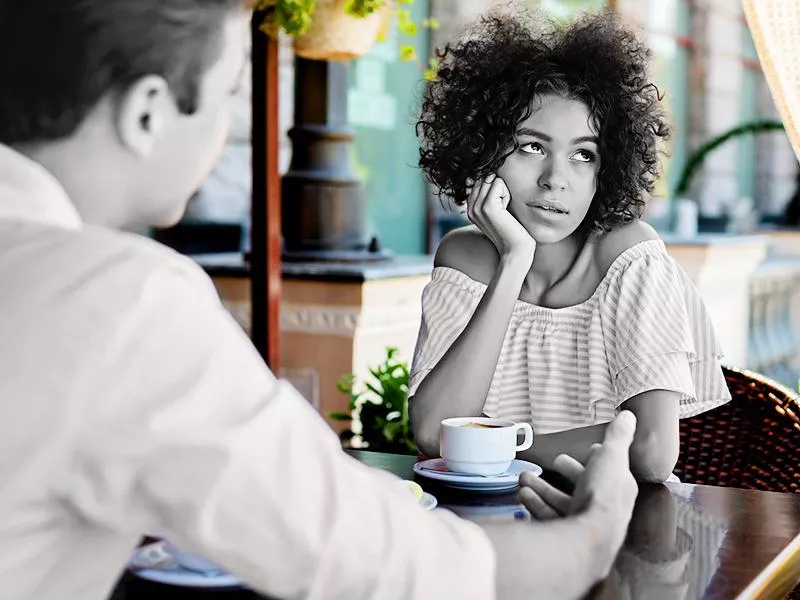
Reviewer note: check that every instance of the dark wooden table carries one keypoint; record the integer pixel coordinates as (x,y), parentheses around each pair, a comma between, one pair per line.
(687,542)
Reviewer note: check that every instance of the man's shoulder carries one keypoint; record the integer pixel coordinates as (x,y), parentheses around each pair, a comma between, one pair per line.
(468,250)
(133,257)
(94,268)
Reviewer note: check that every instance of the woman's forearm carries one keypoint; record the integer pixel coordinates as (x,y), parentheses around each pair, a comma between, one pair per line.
(653,453)
(575,442)
(459,383)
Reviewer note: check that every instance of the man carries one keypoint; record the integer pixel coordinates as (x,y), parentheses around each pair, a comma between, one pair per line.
(131,402)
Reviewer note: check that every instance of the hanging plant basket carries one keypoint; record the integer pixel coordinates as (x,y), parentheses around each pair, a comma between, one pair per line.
(336,35)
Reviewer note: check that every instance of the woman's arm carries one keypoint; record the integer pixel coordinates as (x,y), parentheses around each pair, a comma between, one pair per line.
(459,383)
(656,444)
(654,451)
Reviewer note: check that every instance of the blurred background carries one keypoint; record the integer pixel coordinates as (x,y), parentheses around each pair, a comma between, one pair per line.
(727,204)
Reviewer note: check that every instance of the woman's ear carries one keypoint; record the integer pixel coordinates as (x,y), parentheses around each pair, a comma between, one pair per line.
(142,112)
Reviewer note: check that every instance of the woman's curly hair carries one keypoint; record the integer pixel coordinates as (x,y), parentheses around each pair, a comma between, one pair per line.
(486,85)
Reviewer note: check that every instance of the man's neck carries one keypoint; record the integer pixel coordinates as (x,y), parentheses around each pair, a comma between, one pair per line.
(87,177)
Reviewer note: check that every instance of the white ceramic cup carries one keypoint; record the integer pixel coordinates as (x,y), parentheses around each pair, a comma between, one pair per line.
(487,450)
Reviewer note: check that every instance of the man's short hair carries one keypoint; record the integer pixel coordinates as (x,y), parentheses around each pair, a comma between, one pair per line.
(58,58)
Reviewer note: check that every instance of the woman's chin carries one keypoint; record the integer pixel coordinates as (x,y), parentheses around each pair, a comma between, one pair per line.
(548,235)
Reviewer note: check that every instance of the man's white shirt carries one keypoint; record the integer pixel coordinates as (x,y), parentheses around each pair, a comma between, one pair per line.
(131,402)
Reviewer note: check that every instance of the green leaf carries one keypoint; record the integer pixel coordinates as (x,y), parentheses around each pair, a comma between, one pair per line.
(362,8)
(408,53)
(380,410)
(378,391)
(391,430)
(340,416)
(345,383)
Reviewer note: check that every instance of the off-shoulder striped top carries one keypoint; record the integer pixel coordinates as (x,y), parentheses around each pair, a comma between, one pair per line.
(644,328)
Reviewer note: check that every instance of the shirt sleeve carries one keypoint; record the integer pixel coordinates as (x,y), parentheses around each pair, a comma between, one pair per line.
(447,306)
(659,336)
(193,435)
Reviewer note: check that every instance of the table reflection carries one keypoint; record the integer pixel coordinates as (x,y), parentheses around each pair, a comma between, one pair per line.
(671,552)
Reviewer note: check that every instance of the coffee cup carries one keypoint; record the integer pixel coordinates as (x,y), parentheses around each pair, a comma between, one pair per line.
(481,445)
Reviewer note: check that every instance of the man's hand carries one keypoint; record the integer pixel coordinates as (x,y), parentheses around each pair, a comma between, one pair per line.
(605,490)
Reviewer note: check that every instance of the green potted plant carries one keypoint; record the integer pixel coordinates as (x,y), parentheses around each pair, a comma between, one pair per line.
(695,161)
(342,29)
(378,408)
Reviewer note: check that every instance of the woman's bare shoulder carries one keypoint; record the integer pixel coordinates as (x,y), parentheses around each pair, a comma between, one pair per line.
(611,244)
(468,250)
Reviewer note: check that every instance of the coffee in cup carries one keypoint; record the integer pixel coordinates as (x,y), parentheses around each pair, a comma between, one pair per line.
(481,445)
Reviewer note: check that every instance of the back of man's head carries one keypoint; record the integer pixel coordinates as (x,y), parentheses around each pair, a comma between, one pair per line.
(58,58)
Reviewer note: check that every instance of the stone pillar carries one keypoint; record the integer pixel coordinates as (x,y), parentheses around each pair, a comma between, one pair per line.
(722,268)
(719,51)
(777,168)
(335,318)
(323,201)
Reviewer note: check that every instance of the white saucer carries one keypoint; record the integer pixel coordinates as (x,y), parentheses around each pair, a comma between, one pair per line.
(436,469)
(180,577)
(157,562)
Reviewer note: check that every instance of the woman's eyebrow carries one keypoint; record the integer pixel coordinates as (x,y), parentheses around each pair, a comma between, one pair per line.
(586,138)
(543,136)
(534,133)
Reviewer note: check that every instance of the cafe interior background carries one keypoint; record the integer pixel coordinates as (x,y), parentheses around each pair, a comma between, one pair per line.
(359,223)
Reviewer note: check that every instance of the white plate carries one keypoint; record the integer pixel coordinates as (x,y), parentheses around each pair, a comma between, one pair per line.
(428,501)
(157,562)
(180,577)
(436,469)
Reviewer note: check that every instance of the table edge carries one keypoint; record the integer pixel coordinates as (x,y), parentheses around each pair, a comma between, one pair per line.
(760,586)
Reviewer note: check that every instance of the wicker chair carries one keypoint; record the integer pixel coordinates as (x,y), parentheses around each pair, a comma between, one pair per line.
(752,442)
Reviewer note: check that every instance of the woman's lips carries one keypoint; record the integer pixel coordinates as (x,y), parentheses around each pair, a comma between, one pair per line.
(549,207)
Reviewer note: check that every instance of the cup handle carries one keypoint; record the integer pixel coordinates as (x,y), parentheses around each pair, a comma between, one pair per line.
(528,441)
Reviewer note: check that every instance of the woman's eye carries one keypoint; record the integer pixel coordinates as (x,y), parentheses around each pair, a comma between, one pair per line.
(531,148)
(584,156)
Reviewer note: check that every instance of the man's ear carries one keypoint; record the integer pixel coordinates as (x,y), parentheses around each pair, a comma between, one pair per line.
(142,112)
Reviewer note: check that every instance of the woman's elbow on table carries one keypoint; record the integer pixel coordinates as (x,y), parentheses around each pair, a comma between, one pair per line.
(653,458)
(426,436)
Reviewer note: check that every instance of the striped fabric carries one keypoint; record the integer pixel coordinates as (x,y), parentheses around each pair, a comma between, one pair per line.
(644,328)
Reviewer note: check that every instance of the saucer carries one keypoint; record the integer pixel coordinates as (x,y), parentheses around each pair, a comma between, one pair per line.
(436,469)
(155,562)
(178,576)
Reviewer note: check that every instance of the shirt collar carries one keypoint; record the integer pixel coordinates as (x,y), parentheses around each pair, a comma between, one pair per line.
(28,192)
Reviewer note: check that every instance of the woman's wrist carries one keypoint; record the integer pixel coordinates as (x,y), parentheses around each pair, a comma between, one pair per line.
(517,261)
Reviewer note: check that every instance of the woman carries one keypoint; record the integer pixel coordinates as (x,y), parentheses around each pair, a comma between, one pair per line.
(558,306)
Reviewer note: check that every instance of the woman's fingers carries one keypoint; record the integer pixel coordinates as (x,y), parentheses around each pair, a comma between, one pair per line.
(476,199)
(497,192)
(474,193)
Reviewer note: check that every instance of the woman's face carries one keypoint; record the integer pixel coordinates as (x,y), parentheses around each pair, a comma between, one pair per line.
(552,176)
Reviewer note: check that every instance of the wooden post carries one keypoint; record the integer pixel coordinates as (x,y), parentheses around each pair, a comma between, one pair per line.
(265,258)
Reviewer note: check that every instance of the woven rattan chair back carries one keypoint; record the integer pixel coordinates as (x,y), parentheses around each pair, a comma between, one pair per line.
(753,442)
